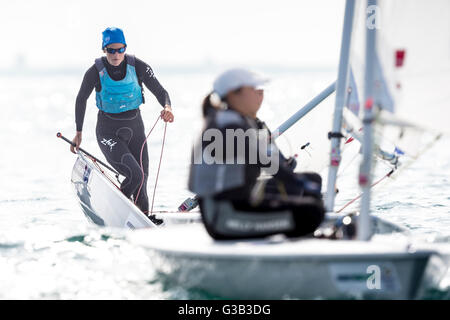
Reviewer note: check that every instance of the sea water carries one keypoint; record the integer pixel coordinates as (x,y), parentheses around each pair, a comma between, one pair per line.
(48,250)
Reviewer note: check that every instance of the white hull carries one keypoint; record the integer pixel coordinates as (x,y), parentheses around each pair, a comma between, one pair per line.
(171,218)
(299,269)
(101,201)
(105,205)
(263,269)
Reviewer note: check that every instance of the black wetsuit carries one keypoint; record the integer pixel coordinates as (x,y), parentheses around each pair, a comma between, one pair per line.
(290,200)
(121,135)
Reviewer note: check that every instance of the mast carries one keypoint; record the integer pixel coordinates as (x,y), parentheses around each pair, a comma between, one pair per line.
(365,176)
(341,94)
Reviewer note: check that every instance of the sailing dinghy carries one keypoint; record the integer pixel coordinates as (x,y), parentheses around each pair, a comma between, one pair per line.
(101,200)
(104,204)
(387,267)
(375,265)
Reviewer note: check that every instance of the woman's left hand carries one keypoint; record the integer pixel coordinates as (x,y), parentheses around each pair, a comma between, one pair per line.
(167,114)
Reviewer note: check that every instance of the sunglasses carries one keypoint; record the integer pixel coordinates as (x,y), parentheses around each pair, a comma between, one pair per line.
(112,51)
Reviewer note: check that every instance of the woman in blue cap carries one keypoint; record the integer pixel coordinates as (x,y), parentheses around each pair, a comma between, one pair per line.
(234,149)
(117,79)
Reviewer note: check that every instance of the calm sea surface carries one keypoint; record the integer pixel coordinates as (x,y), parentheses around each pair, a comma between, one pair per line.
(49,251)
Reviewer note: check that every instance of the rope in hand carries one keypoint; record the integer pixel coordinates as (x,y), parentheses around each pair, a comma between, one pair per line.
(159,166)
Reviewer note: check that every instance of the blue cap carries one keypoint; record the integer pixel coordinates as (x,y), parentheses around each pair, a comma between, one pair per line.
(113,35)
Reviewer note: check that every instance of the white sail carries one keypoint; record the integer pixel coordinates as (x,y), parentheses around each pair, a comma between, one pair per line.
(412,59)
(400,66)
(413,44)
(411,72)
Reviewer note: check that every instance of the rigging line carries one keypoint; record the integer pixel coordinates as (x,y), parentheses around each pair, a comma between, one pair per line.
(409,162)
(98,163)
(142,167)
(103,172)
(375,183)
(159,166)
(348,165)
(111,179)
(346,147)
(59,135)
(377,157)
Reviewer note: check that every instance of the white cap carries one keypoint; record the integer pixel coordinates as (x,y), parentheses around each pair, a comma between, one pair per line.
(235,78)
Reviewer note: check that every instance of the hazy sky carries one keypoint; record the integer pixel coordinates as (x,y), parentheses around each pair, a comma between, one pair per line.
(68,33)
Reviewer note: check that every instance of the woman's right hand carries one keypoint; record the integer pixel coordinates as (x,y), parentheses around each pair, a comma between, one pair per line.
(76,141)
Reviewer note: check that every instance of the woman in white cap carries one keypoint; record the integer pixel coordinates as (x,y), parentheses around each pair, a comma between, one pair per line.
(234,148)
(117,79)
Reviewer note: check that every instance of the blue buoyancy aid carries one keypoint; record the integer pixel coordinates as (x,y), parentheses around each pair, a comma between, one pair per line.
(118,96)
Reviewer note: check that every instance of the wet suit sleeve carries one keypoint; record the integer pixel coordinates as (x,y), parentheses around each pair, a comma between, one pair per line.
(90,80)
(146,75)
(286,169)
